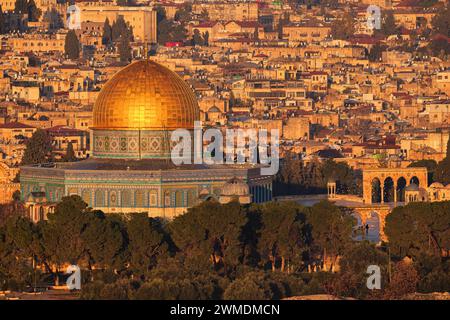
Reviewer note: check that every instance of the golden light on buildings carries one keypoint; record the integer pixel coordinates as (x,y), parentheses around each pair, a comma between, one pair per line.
(145,95)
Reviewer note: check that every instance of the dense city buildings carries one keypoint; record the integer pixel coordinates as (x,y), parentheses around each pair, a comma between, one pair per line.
(354,97)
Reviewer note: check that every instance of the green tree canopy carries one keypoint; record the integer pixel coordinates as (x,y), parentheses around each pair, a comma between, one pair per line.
(264,286)
(170,31)
(419,227)
(72,45)
(106,241)
(63,232)
(21,7)
(124,49)
(331,229)
(351,281)
(38,148)
(210,234)
(376,52)
(283,236)
(2,21)
(343,27)
(197,39)
(441,21)
(33,11)
(388,26)
(160,13)
(442,173)
(431,166)
(107,33)
(183,15)
(147,242)
(121,29)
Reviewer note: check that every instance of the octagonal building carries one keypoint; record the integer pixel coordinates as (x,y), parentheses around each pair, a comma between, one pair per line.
(130,169)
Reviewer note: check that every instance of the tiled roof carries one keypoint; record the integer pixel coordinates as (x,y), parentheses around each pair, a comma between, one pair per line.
(15,125)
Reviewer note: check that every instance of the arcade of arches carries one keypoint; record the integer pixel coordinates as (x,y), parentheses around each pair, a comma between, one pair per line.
(388,185)
(384,189)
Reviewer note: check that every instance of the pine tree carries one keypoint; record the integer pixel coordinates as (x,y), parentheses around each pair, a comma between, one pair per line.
(38,148)
(72,45)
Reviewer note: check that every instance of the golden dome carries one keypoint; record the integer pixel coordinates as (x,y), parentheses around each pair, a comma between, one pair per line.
(145,95)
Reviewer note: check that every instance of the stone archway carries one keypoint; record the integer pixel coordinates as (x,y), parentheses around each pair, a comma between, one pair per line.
(414,180)
(376,216)
(373,232)
(376,191)
(401,185)
(389,179)
(389,190)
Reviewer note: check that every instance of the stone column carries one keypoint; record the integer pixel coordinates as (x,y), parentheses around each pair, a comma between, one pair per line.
(395,192)
(382,192)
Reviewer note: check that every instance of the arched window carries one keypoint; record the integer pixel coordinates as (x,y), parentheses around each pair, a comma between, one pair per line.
(86,196)
(99,198)
(41,214)
(167,202)
(139,198)
(415,180)
(113,198)
(153,198)
(401,185)
(388,192)
(126,198)
(179,199)
(376,190)
(190,198)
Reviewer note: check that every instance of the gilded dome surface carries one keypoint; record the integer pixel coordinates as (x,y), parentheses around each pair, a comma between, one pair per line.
(145,95)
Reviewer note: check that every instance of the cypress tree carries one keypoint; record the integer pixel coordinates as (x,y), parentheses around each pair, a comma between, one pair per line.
(124,49)
(2,21)
(107,33)
(21,6)
(72,45)
(70,153)
(33,11)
